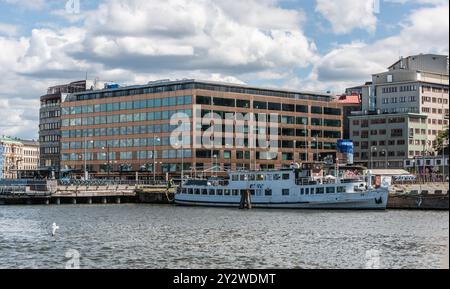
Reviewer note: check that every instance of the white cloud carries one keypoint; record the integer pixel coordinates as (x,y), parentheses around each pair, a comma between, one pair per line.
(347,15)
(203,34)
(137,41)
(8,29)
(27,4)
(425,31)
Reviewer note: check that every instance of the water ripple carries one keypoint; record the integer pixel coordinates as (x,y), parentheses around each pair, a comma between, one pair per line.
(141,236)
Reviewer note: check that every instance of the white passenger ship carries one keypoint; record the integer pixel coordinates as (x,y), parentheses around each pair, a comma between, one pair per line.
(283,189)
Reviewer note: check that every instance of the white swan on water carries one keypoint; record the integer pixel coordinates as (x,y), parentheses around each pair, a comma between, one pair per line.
(54,228)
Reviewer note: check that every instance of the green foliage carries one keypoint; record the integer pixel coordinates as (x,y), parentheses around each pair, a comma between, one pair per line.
(440,140)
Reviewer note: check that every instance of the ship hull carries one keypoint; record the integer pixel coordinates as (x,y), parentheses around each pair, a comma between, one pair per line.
(365,201)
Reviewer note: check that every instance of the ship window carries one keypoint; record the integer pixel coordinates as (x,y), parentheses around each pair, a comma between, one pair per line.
(235,192)
(307,191)
(235,178)
(243,177)
(285,192)
(320,190)
(260,177)
(302,191)
(285,176)
(268,192)
(252,192)
(312,191)
(268,177)
(259,192)
(330,190)
(204,191)
(212,192)
(219,192)
(341,189)
(276,177)
(197,191)
(251,177)
(226,192)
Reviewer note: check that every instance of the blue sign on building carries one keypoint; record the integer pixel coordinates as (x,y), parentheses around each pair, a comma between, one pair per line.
(346,146)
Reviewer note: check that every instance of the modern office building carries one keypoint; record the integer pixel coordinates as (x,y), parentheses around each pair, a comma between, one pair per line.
(50,124)
(115,132)
(403,111)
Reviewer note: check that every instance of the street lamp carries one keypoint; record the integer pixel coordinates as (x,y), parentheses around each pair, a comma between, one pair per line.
(295,145)
(385,155)
(155,139)
(215,165)
(107,160)
(372,149)
(86,174)
(305,121)
(182,160)
(316,139)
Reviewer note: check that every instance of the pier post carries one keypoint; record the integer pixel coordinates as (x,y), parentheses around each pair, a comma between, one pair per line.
(104,201)
(58,201)
(74,201)
(89,201)
(47,201)
(29,202)
(118,200)
(245,202)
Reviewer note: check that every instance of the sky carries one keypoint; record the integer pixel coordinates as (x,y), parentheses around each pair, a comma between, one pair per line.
(307,45)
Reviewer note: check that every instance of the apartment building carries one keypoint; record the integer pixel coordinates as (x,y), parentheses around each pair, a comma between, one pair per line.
(17,156)
(30,155)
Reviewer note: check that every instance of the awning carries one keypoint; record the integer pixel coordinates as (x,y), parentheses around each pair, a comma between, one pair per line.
(390,172)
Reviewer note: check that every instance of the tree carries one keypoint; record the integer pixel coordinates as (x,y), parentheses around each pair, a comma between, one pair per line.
(442,142)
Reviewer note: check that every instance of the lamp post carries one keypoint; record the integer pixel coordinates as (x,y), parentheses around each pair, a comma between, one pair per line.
(386,160)
(182,160)
(295,146)
(86,174)
(372,149)
(316,139)
(107,160)
(305,121)
(444,144)
(154,159)
(215,165)
(424,154)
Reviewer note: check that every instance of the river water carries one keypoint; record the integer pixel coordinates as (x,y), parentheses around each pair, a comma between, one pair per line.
(154,236)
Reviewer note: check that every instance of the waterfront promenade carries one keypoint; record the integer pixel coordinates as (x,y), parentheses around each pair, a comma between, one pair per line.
(425,196)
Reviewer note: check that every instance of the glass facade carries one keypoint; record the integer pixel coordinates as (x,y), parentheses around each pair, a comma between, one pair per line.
(132,133)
